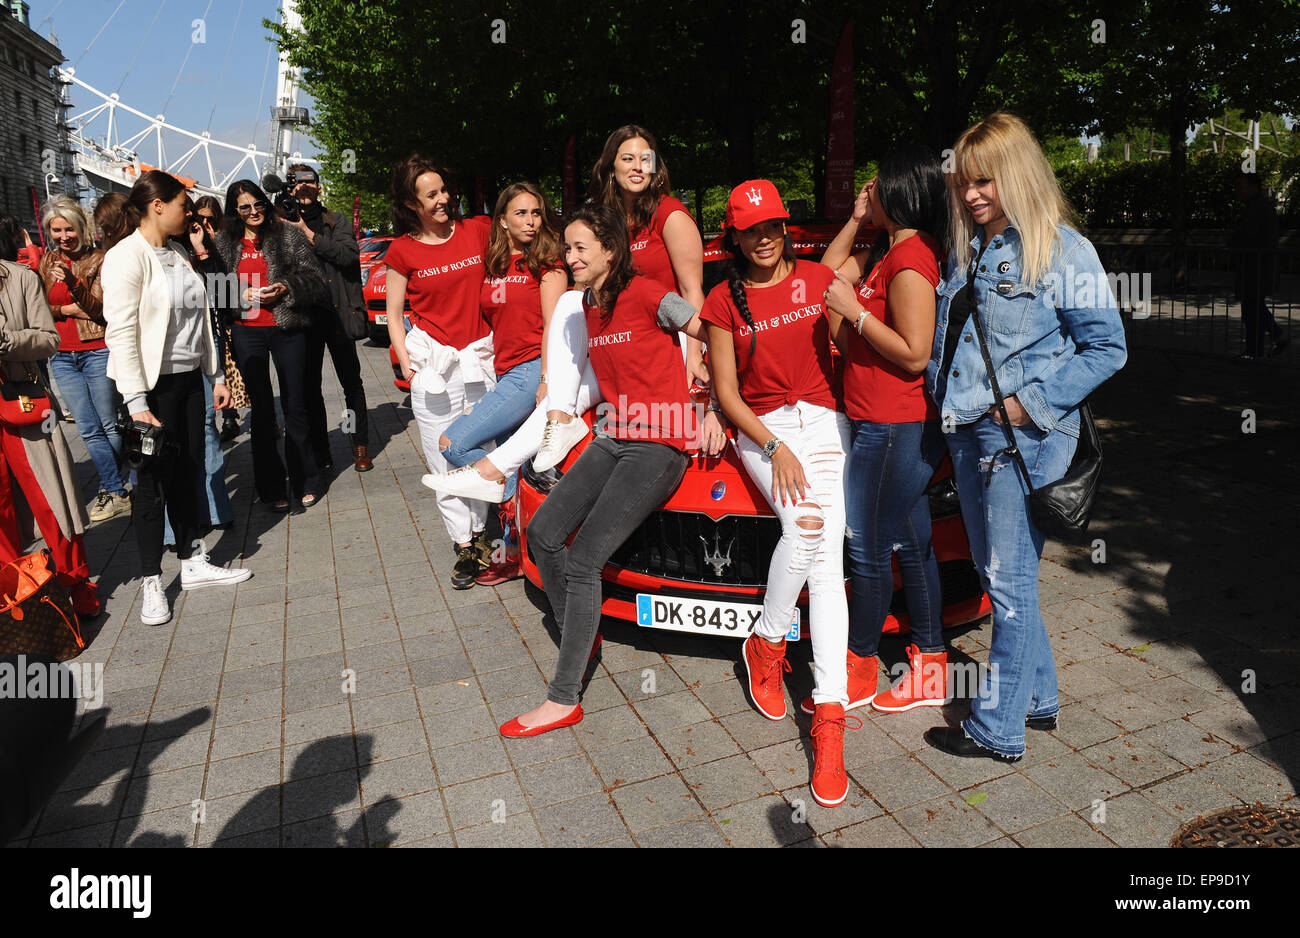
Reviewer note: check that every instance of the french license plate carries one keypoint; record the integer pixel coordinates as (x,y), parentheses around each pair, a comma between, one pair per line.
(705,616)
(381,319)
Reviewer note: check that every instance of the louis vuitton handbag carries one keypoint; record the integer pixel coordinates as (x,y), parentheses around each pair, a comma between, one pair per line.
(36,614)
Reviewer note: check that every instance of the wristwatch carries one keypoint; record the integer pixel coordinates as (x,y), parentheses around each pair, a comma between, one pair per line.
(770,447)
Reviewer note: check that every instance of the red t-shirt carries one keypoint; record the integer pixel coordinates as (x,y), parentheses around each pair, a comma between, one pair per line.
(649,252)
(512,306)
(443,282)
(253,272)
(640,370)
(875,388)
(69,340)
(792,354)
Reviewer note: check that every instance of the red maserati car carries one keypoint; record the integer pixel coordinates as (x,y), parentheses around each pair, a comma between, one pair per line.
(698,564)
(374,291)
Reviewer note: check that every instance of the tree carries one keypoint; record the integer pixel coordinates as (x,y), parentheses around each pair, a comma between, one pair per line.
(1173,63)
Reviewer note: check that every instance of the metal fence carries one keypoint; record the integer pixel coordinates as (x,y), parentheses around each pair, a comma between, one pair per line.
(1189,297)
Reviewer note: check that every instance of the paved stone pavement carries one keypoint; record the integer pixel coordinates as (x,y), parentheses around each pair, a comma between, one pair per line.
(1177,662)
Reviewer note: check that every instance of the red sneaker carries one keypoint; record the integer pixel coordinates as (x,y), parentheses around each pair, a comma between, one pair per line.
(863,676)
(764,663)
(925,684)
(830,783)
(499,573)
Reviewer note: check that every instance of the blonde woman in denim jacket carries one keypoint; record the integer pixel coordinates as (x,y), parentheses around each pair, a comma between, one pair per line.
(1054,334)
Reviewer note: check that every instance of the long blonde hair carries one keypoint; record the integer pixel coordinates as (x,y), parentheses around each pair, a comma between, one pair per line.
(1003,148)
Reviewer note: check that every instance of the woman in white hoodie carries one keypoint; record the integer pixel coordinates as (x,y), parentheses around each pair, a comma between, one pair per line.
(161,343)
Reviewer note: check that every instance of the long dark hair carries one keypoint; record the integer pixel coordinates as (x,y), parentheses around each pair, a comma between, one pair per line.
(213,205)
(735,270)
(112,218)
(405,219)
(605,190)
(913,192)
(11,238)
(233,223)
(540,255)
(154,184)
(607,224)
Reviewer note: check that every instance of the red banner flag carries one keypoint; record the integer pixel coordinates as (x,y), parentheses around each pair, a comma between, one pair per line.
(36,213)
(839,141)
(569,191)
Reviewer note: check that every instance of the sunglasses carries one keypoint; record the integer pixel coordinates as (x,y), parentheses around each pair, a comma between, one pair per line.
(206,220)
(261,205)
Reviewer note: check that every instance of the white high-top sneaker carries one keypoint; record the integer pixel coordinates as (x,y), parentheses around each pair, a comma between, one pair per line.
(197,572)
(154,609)
(557,439)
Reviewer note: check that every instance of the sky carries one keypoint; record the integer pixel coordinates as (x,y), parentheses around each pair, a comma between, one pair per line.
(144,51)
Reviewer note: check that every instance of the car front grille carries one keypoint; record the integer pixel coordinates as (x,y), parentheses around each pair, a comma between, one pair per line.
(673,545)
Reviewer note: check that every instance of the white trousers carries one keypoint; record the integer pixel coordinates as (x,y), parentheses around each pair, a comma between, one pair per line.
(811,552)
(434,413)
(570,384)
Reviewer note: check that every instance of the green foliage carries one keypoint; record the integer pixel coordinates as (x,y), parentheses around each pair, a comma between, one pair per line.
(732,97)
(1117,194)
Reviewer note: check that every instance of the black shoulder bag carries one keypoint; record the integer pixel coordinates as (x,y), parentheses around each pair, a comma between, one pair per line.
(1063,508)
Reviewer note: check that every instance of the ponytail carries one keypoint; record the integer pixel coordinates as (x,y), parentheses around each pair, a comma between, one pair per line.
(737,287)
(154,184)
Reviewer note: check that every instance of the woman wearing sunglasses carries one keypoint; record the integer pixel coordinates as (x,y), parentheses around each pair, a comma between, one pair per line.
(279,284)
(211,218)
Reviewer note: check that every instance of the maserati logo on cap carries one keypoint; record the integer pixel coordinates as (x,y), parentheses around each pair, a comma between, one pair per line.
(754,195)
(719,489)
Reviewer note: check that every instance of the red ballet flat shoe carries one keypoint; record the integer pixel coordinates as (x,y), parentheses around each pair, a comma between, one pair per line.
(513,729)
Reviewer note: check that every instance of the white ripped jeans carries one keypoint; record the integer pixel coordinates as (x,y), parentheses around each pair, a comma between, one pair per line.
(811,549)
(438,397)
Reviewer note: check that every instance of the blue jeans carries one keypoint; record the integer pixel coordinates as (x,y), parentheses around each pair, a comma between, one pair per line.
(213,484)
(887,511)
(497,414)
(1006,547)
(92,399)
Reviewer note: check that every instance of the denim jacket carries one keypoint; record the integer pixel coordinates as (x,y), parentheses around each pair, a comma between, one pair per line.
(1052,342)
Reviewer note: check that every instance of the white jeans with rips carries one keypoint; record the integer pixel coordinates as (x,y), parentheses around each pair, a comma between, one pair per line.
(811,549)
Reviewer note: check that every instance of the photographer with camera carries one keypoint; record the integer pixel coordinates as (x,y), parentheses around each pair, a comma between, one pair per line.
(160,336)
(338,327)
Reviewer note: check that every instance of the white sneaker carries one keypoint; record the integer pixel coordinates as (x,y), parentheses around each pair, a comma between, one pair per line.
(197,572)
(557,439)
(154,609)
(466,483)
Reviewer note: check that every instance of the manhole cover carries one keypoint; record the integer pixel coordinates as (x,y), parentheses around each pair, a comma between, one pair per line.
(1242,827)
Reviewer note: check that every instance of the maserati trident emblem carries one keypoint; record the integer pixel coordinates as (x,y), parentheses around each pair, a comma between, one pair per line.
(754,195)
(717,560)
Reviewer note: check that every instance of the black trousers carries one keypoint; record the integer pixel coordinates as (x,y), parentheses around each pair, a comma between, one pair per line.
(607,493)
(255,348)
(167,482)
(343,352)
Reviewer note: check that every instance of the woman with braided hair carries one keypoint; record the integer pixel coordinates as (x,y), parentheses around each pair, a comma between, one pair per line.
(770,351)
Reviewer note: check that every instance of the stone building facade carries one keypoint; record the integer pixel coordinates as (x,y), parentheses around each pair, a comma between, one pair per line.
(33,140)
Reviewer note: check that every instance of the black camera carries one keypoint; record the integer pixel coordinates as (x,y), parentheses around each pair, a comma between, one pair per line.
(143,443)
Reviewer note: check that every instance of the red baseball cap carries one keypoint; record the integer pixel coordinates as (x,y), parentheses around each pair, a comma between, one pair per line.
(752,202)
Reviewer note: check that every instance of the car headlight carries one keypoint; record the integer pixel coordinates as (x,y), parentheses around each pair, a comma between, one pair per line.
(365,276)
